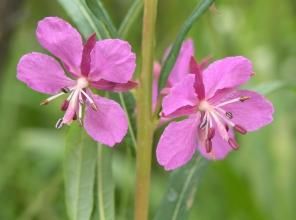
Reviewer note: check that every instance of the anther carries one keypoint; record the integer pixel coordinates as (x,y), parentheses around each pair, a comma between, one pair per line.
(65,90)
(74,117)
(94,106)
(65,105)
(208,146)
(233,144)
(227,127)
(240,129)
(211,133)
(229,115)
(244,98)
(44,102)
(59,123)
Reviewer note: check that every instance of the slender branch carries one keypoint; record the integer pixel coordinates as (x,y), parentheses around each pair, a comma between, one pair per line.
(144,107)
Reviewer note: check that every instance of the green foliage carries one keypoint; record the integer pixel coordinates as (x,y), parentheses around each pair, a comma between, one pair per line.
(178,199)
(105,184)
(99,11)
(171,59)
(79,164)
(85,19)
(130,18)
(256,182)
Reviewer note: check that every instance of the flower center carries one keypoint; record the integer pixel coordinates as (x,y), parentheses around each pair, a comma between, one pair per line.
(82,83)
(78,96)
(215,117)
(204,106)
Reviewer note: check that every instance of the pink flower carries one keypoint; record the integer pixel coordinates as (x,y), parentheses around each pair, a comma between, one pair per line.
(180,69)
(105,65)
(215,108)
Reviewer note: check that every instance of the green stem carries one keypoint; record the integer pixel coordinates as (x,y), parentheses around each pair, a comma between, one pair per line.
(145,122)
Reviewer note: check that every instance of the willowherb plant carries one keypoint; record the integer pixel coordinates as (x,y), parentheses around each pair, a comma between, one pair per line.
(177,87)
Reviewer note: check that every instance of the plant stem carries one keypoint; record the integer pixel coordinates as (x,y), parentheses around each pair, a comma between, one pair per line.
(144,106)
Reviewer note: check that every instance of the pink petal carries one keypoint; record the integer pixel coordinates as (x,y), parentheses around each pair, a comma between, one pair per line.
(220,147)
(112,60)
(181,67)
(178,143)
(88,47)
(62,40)
(114,87)
(251,114)
(42,73)
(183,111)
(182,94)
(226,73)
(108,125)
(199,87)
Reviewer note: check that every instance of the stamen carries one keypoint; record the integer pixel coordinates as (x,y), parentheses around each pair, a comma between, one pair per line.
(49,99)
(226,127)
(223,117)
(65,90)
(240,129)
(94,106)
(208,146)
(239,99)
(74,117)
(91,101)
(203,123)
(211,133)
(220,125)
(229,115)
(65,105)
(233,144)
(59,123)
(244,98)
(80,110)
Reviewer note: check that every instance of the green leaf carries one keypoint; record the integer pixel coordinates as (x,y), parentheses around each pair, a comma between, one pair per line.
(99,11)
(79,165)
(85,20)
(105,184)
(171,59)
(181,190)
(130,18)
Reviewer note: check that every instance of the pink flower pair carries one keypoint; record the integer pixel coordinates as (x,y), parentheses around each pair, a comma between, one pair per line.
(214,108)
(209,97)
(105,65)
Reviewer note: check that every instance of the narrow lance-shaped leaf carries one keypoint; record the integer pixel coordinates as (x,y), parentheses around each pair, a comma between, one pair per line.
(84,18)
(79,168)
(105,184)
(99,11)
(171,59)
(181,189)
(130,18)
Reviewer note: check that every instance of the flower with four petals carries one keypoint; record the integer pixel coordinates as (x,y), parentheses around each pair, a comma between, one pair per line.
(104,65)
(214,108)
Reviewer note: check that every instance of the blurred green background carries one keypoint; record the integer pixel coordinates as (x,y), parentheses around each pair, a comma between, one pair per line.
(256,182)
